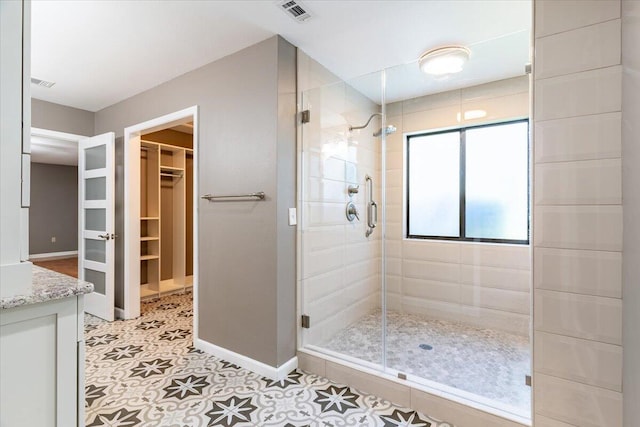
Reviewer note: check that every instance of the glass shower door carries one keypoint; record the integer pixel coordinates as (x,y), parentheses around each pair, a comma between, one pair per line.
(457,254)
(340,263)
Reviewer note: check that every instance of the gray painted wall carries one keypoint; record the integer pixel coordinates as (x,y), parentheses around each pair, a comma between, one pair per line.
(50,116)
(247,144)
(54,208)
(286,187)
(631,198)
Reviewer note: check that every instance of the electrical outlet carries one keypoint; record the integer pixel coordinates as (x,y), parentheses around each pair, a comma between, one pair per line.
(53,239)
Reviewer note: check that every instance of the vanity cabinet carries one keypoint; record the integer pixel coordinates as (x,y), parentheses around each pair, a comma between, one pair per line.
(41,364)
(42,353)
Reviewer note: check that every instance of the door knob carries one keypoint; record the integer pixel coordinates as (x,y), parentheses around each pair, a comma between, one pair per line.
(104,236)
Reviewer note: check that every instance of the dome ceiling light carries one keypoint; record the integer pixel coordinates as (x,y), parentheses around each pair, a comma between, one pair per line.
(444,60)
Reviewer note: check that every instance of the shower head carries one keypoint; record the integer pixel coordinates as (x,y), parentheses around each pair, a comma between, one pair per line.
(387,131)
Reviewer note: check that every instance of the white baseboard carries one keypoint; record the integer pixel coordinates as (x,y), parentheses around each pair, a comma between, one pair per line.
(119,313)
(53,255)
(263,369)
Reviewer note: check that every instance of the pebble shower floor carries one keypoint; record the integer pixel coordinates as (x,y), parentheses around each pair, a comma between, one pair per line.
(145,372)
(485,362)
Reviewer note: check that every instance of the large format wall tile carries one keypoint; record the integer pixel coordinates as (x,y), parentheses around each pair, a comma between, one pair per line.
(581,272)
(431,290)
(578,231)
(576,403)
(590,182)
(496,277)
(497,299)
(579,138)
(431,270)
(431,251)
(553,16)
(585,361)
(458,414)
(586,48)
(580,316)
(504,108)
(507,256)
(495,319)
(579,94)
(579,227)
(500,88)
(431,119)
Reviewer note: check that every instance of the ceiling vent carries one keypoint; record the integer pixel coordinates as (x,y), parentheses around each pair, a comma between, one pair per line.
(295,10)
(42,83)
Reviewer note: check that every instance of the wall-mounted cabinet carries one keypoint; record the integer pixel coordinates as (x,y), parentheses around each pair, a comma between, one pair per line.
(166,265)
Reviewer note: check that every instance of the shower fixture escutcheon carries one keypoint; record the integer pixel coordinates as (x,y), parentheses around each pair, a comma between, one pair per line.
(352,212)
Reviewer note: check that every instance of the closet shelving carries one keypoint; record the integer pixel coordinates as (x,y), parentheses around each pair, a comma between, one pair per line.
(164,267)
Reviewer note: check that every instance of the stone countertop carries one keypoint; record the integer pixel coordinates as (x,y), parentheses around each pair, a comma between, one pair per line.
(48,285)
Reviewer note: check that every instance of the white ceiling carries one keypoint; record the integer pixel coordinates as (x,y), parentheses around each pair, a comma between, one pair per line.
(101,52)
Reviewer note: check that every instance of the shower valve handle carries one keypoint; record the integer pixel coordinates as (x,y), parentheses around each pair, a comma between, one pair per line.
(352,212)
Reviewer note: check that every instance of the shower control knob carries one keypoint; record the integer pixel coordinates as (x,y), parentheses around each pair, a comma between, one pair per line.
(352,212)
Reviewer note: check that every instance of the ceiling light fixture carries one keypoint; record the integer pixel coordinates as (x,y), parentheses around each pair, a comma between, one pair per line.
(444,60)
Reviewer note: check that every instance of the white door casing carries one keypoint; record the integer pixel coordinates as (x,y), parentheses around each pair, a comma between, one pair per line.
(96,220)
(132,138)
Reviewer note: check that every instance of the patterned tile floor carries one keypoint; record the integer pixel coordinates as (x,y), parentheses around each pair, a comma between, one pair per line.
(485,362)
(144,372)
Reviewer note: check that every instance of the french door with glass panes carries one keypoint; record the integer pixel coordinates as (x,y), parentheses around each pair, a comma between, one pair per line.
(96,239)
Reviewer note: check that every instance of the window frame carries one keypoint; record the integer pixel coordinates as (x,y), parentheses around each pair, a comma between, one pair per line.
(462,205)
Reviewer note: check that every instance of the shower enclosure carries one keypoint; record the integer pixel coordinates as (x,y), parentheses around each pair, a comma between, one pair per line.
(414,256)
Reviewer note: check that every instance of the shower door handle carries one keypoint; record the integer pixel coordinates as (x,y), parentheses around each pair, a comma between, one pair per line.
(372,214)
(372,207)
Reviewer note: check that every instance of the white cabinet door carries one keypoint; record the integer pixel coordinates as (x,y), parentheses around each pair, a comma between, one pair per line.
(96,246)
(39,365)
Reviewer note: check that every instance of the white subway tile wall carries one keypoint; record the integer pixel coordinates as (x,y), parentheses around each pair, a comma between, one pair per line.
(578,214)
(340,268)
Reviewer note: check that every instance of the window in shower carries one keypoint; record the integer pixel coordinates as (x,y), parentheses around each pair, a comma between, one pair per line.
(470,184)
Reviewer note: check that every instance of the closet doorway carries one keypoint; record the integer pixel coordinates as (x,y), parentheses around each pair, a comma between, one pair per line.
(160,209)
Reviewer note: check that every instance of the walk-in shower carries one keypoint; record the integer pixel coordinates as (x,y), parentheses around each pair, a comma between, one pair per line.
(437,291)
